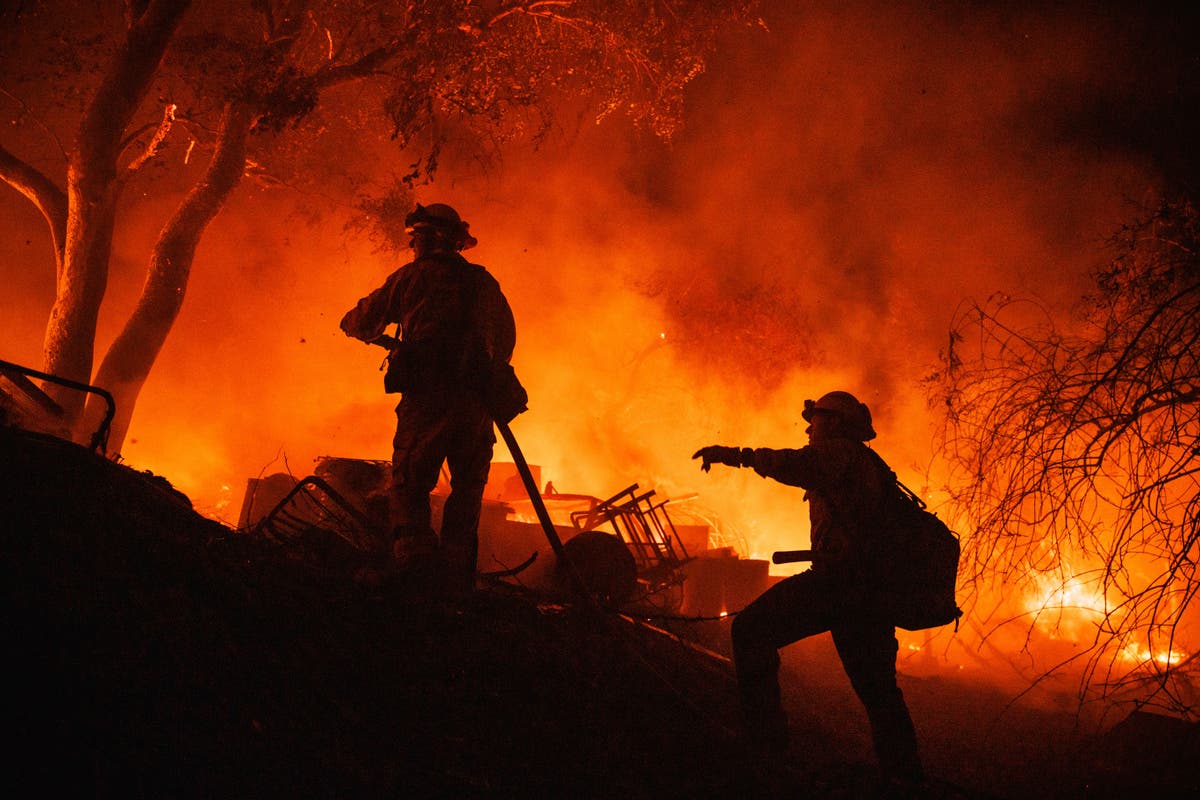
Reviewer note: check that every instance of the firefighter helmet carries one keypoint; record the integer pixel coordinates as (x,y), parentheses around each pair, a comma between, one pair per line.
(855,416)
(444,220)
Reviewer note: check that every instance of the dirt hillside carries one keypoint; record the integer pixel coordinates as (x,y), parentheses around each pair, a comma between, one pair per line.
(155,653)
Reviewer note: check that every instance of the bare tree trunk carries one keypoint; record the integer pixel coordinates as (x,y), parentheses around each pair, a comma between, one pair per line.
(131,356)
(71,329)
(93,188)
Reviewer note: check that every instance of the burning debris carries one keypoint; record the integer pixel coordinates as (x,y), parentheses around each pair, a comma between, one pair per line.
(626,548)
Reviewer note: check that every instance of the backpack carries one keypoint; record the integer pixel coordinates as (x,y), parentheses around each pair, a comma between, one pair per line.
(917,559)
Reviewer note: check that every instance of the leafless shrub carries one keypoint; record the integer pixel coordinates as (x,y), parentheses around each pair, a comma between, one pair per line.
(1074,451)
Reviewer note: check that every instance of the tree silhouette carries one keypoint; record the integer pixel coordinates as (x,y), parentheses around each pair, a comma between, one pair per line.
(236,85)
(1075,455)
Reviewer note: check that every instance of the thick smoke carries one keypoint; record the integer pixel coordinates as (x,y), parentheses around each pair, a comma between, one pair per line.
(846,180)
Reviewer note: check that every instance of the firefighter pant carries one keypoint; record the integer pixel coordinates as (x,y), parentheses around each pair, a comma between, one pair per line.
(432,429)
(805,605)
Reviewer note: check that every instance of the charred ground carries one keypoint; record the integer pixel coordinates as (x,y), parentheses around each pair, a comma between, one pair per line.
(153,652)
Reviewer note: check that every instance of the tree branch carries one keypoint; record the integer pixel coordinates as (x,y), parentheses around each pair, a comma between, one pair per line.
(121,91)
(42,192)
(160,135)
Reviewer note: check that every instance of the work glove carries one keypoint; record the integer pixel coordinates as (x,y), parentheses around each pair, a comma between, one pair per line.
(385,341)
(716,454)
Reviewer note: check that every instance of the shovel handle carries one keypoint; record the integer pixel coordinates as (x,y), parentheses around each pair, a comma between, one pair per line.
(791,556)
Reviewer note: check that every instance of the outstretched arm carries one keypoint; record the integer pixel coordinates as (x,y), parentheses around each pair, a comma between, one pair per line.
(730,456)
(789,467)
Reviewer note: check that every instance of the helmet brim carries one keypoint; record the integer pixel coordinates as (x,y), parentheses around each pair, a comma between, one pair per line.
(810,408)
(462,240)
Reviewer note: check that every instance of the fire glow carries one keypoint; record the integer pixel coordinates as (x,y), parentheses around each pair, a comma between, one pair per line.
(826,252)
(1139,654)
(1076,608)
(1070,604)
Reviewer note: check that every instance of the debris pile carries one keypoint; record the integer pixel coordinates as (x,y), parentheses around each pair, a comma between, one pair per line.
(162,654)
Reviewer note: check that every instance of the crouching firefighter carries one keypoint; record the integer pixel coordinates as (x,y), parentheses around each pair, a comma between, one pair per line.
(455,331)
(844,487)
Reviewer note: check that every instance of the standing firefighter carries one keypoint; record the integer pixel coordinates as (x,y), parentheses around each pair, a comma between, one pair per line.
(844,485)
(456,331)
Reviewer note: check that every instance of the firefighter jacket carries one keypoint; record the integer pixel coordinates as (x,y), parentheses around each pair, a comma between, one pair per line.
(454,308)
(844,487)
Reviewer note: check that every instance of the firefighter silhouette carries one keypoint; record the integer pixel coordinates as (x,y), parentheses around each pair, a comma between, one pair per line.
(455,325)
(843,487)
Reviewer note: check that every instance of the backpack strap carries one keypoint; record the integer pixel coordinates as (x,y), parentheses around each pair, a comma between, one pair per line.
(893,480)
